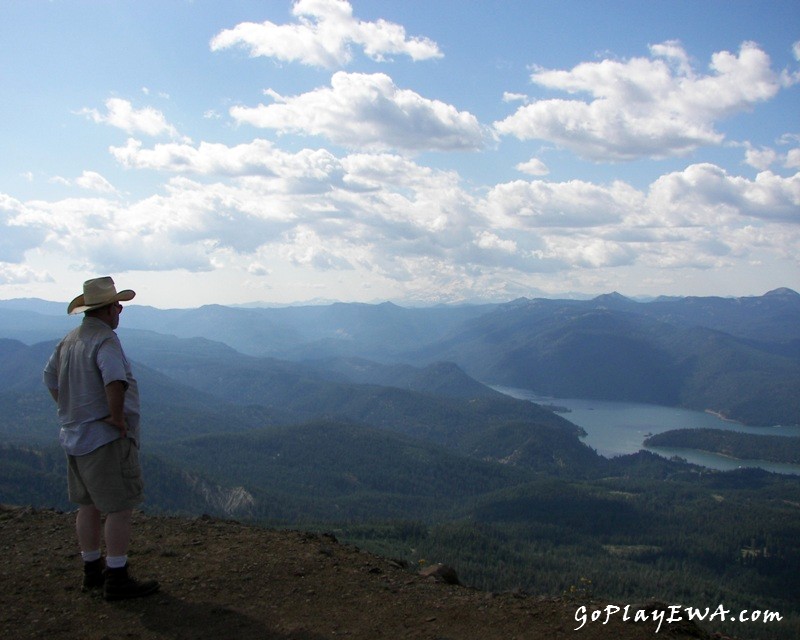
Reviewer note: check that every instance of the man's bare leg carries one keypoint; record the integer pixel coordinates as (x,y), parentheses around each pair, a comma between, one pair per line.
(88,527)
(118,533)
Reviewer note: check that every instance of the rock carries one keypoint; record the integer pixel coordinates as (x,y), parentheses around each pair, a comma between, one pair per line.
(441,573)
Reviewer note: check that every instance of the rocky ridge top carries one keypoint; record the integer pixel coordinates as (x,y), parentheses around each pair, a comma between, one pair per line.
(226,580)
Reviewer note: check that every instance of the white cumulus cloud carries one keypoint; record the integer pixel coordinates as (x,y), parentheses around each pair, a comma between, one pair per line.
(324,36)
(573,204)
(16,235)
(93,181)
(122,115)
(307,171)
(705,194)
(644,107)
(760,158)
(368,111)
(792,159)
(533,167)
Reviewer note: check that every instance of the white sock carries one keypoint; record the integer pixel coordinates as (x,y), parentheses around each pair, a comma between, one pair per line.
(116,562)
(90,556)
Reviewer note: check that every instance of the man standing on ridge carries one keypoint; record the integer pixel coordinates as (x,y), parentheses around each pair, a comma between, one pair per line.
(90,379)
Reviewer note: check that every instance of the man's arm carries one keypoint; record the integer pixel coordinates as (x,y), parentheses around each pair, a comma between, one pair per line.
(50,375)
(115,395)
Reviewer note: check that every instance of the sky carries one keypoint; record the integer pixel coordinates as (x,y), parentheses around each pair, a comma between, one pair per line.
(445,151)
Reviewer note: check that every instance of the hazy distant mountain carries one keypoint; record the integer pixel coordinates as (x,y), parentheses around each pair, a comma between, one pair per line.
(30,327)
(195,386)
(602,349)
(223,419)
(378,332)
(773,317)
(171,409)
(438,403)
(739,356)
(440,378)
(44,307)
(354,329)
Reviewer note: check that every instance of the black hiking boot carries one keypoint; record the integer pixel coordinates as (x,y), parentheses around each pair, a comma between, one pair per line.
(93,577)
(119,585)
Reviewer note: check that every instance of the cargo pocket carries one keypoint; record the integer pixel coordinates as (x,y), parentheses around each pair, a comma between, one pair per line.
(131,472)
(130,459)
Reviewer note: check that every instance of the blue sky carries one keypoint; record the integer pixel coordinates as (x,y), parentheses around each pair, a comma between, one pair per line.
(420,152)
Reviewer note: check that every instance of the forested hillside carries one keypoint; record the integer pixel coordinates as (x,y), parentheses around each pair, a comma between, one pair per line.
(743,446)
(640,527)
(616,349)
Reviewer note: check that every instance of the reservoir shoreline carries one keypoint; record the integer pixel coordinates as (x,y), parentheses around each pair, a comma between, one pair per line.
(619,428)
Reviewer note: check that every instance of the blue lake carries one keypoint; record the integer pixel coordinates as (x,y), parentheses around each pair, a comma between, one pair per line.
(617,428)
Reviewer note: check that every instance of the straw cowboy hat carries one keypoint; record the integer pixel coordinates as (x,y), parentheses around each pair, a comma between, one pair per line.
(97,293)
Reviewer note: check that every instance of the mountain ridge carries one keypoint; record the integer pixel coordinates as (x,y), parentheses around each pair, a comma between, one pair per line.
(610,347)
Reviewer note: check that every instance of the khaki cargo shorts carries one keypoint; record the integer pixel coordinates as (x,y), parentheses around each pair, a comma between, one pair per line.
(109,478)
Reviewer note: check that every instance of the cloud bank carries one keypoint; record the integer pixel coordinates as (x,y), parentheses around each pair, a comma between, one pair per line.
(354,195)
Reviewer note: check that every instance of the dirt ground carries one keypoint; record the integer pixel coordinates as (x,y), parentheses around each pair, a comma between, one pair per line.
(225,580)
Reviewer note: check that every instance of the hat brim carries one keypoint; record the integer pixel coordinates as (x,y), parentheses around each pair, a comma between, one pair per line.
(78,304)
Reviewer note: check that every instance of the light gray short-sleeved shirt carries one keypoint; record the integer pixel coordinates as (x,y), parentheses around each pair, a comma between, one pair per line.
(83,363)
